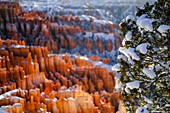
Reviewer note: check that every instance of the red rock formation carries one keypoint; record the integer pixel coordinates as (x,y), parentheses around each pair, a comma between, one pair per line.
(47,81)
(79,41)
(109,46)
(89,45)
(100,46)
(116,43)
(95,58)
(72,42)
(106,61)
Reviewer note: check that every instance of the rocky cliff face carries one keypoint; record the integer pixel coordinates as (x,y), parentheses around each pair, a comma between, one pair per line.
(32,79)
(60,34)
(113,10)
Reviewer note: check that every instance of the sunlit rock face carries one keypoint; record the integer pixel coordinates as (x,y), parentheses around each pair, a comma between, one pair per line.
(33,80)
(60,34)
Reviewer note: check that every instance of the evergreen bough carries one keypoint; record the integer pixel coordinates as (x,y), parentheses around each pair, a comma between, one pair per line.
(144,64)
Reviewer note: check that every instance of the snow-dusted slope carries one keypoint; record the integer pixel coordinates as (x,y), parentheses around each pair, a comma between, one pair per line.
(113,10)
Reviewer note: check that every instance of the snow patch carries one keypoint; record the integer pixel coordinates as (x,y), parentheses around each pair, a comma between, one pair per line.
(116,67)
(134,84)
(148,100)
(127,90)
(142,110)
(140,18)
(163,28)
(122,57)
(129,17)
(133,54)
(128,36)
(144,23)
(149,73)
(123,42)
(70,98)
(142,48)
(129,52)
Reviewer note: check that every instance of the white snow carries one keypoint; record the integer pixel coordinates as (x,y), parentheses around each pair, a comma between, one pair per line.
(142,110)
(140,18)
(134,84)
(128,36)
(149,73)
(158,67)
(116,67)
(99,21)
(123,42)
(122,57)
(163,28)
(129,17)
(148,100)
(123,50)
(17,46)
(2,111)
(147,106)
(133,54)
(130,61)
(127,90)
(101,36)
(70,98)
(142,48)
(145,23)
(103,21)
(129,52)
(167,105)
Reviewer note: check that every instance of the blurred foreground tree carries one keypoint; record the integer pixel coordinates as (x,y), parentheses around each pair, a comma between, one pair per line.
(144,63)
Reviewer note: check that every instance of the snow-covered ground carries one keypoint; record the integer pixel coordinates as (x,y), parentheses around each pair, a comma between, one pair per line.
(112,10)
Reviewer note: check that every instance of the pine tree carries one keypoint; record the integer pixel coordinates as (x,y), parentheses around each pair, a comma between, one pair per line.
(144,63)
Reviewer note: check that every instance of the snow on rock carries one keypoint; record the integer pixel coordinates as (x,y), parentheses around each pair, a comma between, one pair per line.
(128,36)
(17,46)
(2,111)
(103,21)
(149,73)
(70,98)
(95,63)
(134,84)
(144,23)
(142,110)
(163,28)
(142,48)
(116,67)
(122,57)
